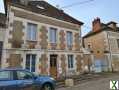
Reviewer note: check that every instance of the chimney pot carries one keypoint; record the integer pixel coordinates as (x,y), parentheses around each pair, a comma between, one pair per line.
(96,24)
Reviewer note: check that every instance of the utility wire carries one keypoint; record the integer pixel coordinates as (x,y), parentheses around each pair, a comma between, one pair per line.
(75,4)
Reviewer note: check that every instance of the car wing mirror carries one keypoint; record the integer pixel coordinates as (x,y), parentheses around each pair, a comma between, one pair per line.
(35,77)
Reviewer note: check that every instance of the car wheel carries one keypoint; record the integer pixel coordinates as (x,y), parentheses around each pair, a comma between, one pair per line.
(47,87)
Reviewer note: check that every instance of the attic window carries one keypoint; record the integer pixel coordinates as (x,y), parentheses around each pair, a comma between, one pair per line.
(40,7)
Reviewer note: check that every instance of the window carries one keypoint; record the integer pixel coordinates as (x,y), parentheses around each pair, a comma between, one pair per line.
(5,75)
(1,46)
(53,35)
(89,46)
(70,61)
(69,38)
(118,42)
(31,31)
(31,62)
(53,60)
(22,75)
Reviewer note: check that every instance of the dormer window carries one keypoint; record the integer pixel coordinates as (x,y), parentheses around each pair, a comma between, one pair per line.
(40,7)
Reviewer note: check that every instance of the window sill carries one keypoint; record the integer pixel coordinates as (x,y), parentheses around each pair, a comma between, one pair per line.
(69,46)
(31,40)
(71,68)
(53,43)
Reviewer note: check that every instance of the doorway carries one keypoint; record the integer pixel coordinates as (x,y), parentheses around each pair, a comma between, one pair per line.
(53,66)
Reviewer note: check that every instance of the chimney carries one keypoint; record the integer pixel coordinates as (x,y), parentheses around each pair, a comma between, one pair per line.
(112,24)
(96,25)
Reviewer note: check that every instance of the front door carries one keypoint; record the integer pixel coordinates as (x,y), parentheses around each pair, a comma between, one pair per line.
(53,65)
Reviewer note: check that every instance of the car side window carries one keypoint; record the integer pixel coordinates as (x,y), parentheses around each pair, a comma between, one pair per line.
(5,75)
(23,75)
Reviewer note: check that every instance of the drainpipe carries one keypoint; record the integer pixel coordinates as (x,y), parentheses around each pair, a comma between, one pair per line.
(110,54)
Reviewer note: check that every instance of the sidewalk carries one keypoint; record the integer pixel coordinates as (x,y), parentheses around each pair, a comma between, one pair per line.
(85,78)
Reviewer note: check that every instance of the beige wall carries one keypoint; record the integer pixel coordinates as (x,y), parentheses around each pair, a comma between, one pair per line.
(105,41)
(2,34)
(98,44)
(43,22)
(43,19)
(113,36)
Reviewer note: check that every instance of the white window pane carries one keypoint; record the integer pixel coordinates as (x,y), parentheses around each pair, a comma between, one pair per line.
(31,31)
(70,61)
(69,38)
(53,34)
(31,62)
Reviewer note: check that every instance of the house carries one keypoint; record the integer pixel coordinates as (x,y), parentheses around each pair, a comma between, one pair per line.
(2,33)
(87,64)
(103,43)
(42,39)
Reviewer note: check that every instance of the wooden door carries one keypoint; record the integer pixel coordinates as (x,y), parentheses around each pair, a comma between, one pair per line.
(53,66)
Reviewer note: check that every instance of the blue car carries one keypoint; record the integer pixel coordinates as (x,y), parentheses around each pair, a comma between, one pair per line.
(19,79)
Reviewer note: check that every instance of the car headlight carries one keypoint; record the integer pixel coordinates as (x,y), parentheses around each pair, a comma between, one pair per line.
(52,79)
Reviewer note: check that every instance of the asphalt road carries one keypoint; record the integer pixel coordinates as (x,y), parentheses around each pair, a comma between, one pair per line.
(96,84)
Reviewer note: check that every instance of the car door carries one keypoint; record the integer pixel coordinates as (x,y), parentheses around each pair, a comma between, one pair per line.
(25,80)
(6,81)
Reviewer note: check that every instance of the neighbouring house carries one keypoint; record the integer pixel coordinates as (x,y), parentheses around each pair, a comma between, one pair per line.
(103,43)
(87,62)
(2,33)
(42,38)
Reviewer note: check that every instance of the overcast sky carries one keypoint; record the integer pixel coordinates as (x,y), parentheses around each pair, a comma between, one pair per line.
(107,10)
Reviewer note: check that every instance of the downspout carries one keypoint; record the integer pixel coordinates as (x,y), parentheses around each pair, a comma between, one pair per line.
(110,54)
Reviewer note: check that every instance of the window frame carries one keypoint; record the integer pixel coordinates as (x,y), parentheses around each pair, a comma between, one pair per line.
(70,61)
(51,36)
(118,43)
(69,38)
(30,67)
(30,32)
(32,76)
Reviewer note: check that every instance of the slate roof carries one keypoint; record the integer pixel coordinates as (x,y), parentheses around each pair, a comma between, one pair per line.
(104,27)
(47,10)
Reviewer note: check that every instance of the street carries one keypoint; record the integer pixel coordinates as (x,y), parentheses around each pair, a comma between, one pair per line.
(96,84)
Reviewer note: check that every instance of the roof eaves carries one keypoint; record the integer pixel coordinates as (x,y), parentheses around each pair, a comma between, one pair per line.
(43,12)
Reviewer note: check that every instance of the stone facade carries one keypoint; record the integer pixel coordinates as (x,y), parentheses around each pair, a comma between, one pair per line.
(2,38)
(43,66)
(104,46)
(19,51)
(43,37)
(62,40)
(16,40)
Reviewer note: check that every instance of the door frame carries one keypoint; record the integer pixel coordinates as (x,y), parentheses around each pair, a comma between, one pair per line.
(56,63)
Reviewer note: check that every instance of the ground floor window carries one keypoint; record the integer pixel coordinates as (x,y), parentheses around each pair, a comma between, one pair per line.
(70,61)
(1,46)
(31,62)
